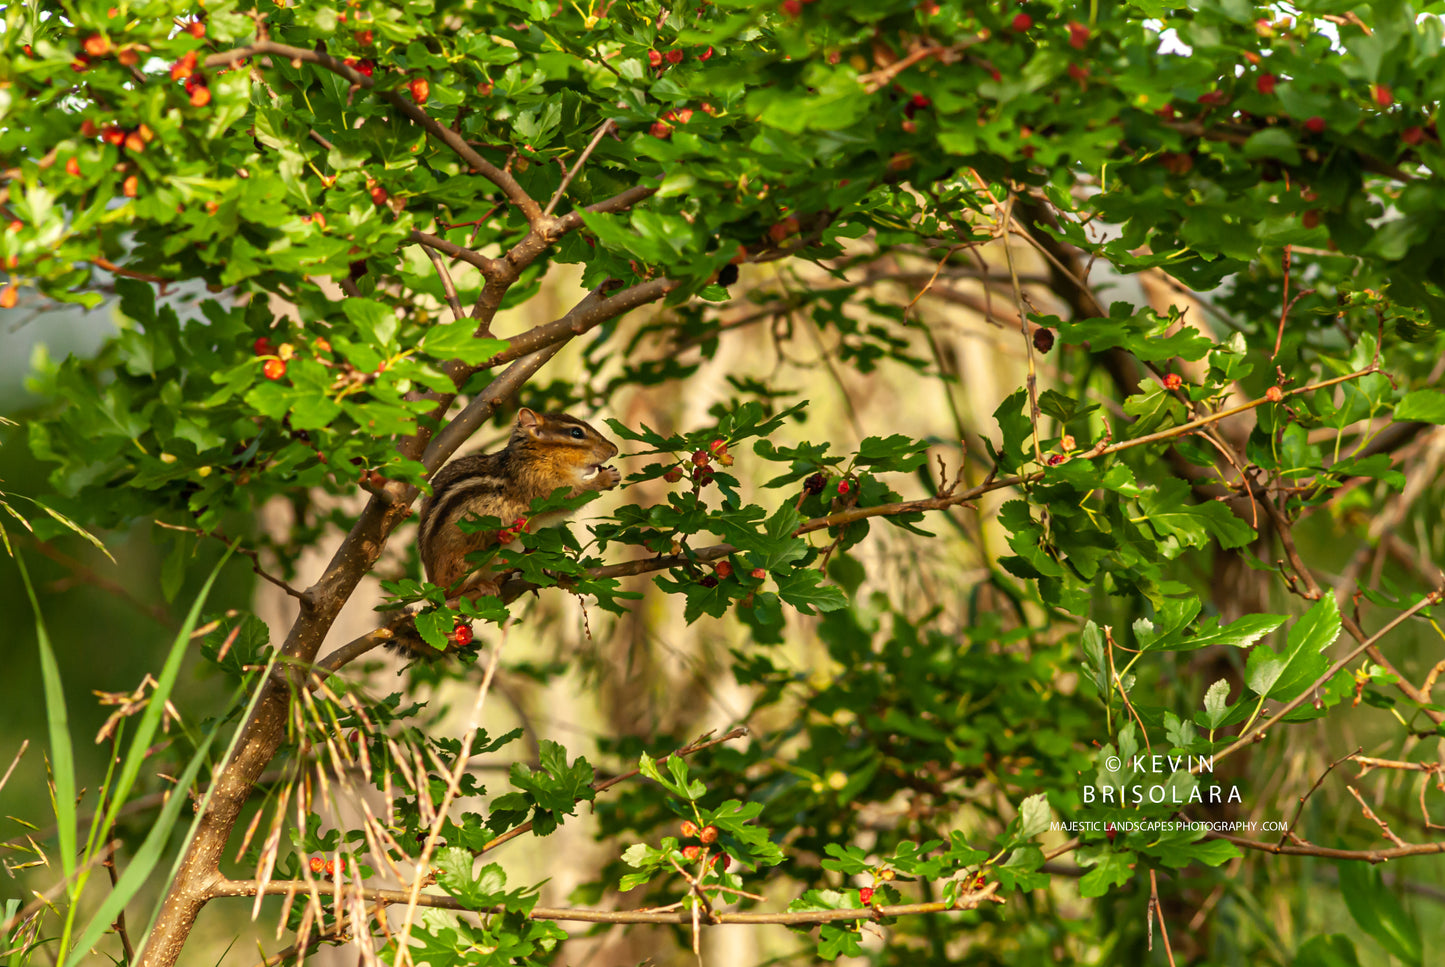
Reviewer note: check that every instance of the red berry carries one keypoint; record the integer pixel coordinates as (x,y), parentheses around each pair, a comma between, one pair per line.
(689,828)
(378,195)
(708,834)
(262,347)
(757,574)
(702,476)
(365,68)
(505,537)
(15,226)
(673,475)
(420,89)
(88,128)
(718,445)
(1055,459)
(723,570)
(72,167)
(1078,35)
(111,134)
(700,458)
(200,95)
(365,37)
(1264,83)
(920,101)
(1213,98)
(196,29)
(462,635)
(1413,135)
(684,115)
(1079,72)
(317,864)
(1310,219)
(654,58)
(660,129)
(705,54)
(674,56)
(1022,22)
(843,487)
(184,67)
(130,187)
(330,867)
(791,7)
(723,860)
(1382,95)
(691,852)
(865,895)
(274,368)
(1173,381)
(96,45)
(1315,125)
(1274,394)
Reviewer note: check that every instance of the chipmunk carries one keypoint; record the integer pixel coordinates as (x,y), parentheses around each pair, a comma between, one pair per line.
(546,451)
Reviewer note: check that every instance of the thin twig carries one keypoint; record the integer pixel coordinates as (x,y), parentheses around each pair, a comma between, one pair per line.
(607,126)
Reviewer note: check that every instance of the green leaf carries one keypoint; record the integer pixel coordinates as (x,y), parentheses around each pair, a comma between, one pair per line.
(1427,405)
(1379,913)
(1283,675)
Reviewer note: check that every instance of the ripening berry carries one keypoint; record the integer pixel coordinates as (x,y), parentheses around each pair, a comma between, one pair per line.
(1382,95)
(689,828)
(684,115)
(718,445)
(317,864)
(1315,125)
(462,635)
(1055,459)
(702,476)
(1078,35)
(111,134)
(365,68)
(130,187)
(96,45)
(420,89)
(1264,83)
(196,29)
(378,195)
(262,347)
(654,58)
(673,56)
(691,852)
(660,129)
(365,37)
(1022,22)
(791,7)
(72,167)
(723,860)
(1274,394)
(505,537)
(865,895)
(331,868)
(274,369)
(723,570)
(9,296)
(1173,381)
(701,458)
(843,487)
(184,67)
(708,834)
(1079,72)
(200,95)
(757,574)
(673,475)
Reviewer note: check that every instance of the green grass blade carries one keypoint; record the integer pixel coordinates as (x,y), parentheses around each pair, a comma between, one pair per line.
(144,861)
(150,719)
(62,758)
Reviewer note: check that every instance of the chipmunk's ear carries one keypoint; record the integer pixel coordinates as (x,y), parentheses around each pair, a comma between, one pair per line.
(527,420)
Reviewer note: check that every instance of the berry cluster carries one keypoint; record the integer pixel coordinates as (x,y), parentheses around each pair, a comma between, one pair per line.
(320,866)
(702,471)
(507,534)
(707,836)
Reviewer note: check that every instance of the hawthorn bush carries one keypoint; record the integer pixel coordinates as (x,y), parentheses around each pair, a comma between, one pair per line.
(1028,411)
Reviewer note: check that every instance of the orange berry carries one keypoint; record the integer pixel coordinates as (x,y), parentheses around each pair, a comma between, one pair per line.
(130,187)
(1274,394)
(72,167)
(274,369)
(9,296)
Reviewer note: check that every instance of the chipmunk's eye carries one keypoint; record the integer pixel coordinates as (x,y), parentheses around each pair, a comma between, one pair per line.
(577,433)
